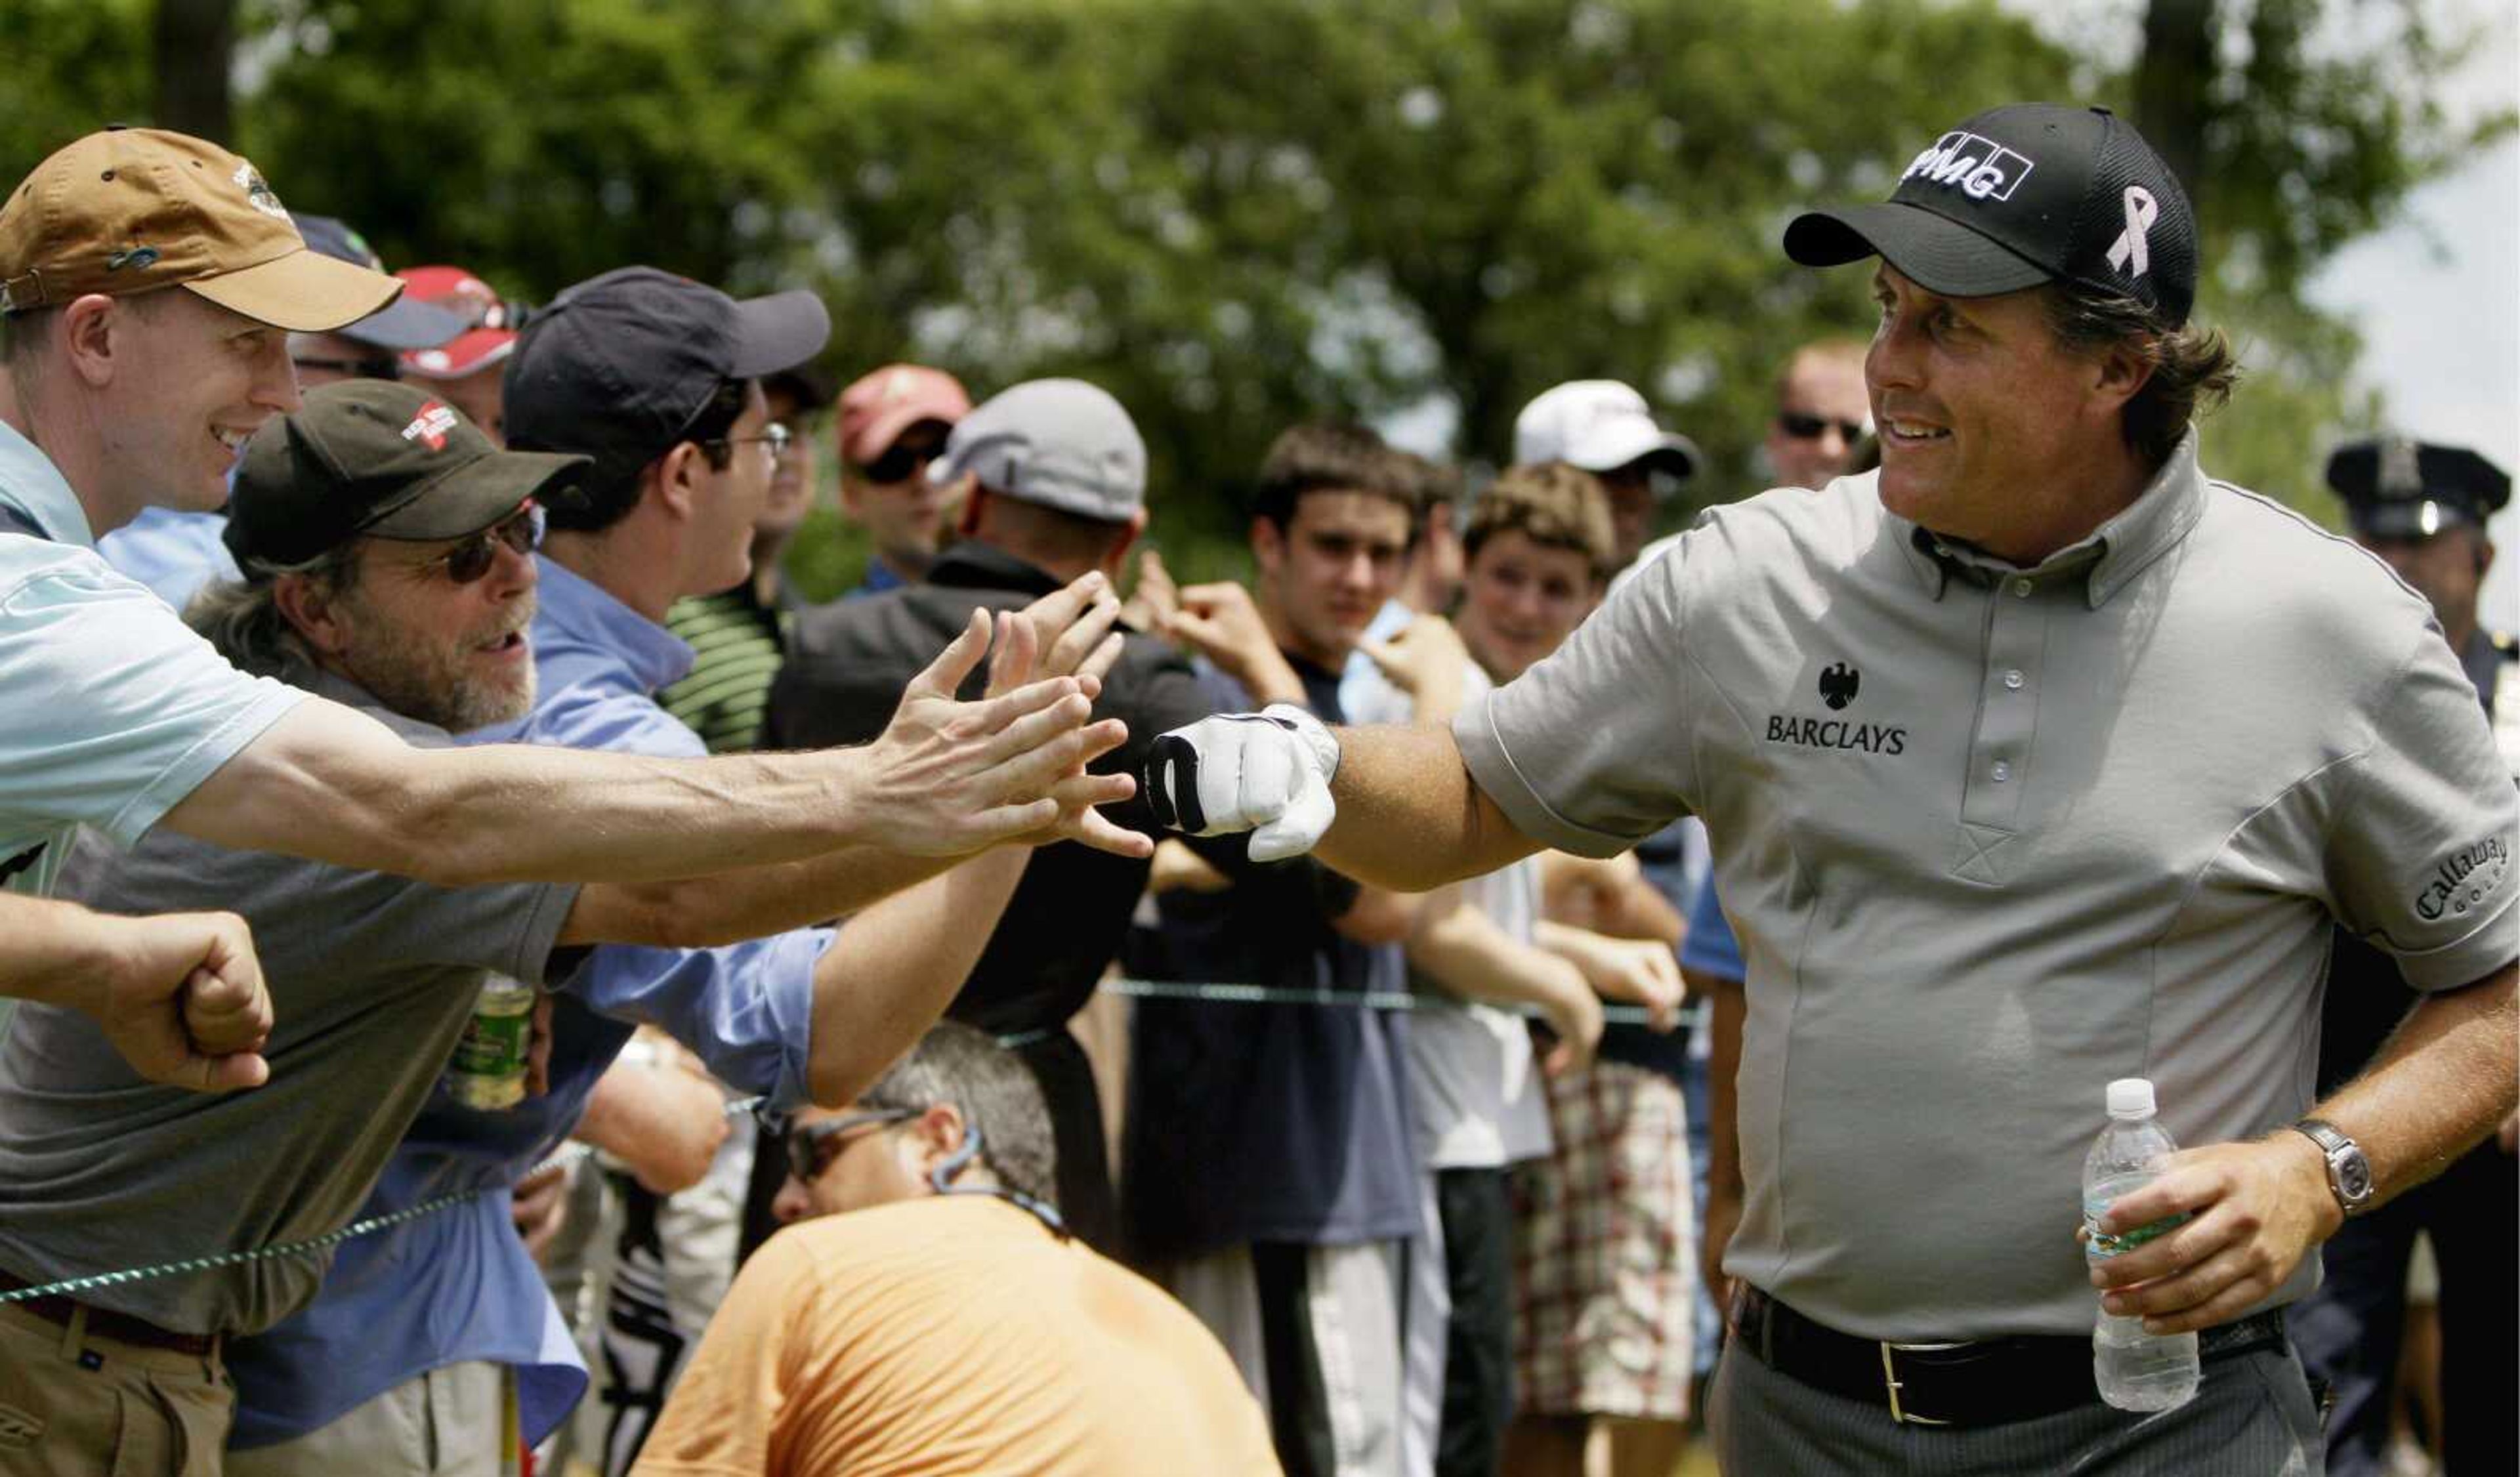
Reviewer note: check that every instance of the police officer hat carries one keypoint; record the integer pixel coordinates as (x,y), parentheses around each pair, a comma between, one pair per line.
(2396,487)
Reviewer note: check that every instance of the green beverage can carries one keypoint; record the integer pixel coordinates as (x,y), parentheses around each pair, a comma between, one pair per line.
(488,1071)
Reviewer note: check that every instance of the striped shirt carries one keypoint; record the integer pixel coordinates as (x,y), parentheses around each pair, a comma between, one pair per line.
(739,643)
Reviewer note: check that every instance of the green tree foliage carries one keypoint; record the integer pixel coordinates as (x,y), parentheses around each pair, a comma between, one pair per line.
(1236,213)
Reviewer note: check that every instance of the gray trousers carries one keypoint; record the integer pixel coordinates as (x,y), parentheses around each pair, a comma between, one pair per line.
(2252,1417)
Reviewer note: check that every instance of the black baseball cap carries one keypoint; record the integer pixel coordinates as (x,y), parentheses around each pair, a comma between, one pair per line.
(2396,487)
(619,365)
(2022,195)
(378,459)
(402,323)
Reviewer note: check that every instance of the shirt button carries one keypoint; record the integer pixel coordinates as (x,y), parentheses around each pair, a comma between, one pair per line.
(2021,588)
(2002,772)
(2012,680)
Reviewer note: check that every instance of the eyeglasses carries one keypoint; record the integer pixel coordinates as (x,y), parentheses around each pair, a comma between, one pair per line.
(774,435)
(1804,428)
(469,561)
(385,367)
(806,1143)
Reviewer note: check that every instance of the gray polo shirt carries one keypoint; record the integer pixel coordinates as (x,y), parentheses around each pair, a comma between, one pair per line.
(371,979)
(1993,837)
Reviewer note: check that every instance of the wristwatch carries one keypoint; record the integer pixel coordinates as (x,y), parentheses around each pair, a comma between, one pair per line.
(2349,1173)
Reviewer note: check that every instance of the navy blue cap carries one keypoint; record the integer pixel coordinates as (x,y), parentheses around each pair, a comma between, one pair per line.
(617,366)
(2396,487)
(399,325)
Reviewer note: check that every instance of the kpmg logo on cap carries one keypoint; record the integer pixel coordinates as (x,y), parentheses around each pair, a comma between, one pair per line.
(431,425)
(1978,167)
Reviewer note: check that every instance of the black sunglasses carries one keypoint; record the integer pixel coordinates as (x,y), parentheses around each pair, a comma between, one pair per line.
(902,463)
(1804,428)
(806,1142)
(469,561)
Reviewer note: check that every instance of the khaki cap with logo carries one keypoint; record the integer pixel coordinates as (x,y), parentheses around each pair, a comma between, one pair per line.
(129,211)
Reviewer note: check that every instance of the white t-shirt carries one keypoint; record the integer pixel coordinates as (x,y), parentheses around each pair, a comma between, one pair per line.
(1473,1078)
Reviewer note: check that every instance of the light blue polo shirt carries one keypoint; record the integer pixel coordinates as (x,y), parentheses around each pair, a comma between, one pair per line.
(111,711)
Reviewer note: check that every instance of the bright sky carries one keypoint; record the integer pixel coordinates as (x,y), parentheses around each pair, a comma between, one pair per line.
(2437,298)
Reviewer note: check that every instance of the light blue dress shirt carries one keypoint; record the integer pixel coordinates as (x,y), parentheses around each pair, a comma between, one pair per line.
(173,553)
(458,1284)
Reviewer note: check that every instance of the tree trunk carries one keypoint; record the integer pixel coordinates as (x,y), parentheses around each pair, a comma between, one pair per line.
(190,49)
(2174,81)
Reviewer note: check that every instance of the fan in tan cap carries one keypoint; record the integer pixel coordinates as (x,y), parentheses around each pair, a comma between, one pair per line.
(139,395)
(134,209)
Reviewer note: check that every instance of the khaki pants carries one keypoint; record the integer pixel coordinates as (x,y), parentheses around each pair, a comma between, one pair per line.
(458,1421)
(73,1405)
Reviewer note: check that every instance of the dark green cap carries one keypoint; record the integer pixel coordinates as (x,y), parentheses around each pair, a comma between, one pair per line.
(376,459)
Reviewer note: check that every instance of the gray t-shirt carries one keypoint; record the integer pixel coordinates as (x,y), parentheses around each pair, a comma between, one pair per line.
(372,978)
(1993,837)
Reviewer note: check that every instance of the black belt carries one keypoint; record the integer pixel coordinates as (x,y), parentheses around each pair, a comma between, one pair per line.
(1990,1382)
(105,1322)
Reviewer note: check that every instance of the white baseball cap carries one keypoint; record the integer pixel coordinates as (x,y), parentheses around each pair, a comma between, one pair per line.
(1598,425)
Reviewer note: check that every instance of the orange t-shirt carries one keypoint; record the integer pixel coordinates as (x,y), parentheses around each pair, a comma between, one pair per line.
(953,1334)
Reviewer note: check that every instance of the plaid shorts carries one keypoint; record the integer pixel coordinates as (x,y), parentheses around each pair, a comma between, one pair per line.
(1606,1254)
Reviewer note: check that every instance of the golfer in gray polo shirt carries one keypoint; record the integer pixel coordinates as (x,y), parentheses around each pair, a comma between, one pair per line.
(2035,760)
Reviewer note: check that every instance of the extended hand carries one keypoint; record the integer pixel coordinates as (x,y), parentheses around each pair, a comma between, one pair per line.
(1268,773)
(1426,660)
(1067,633)
(1574,1015)
(949,778)
(184,1001)
(1221,623)
(2255,1210)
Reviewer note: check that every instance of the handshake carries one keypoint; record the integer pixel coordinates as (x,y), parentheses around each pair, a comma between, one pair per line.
(1268,773)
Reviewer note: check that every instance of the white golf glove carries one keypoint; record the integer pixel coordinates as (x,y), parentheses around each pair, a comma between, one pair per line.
(1268,773)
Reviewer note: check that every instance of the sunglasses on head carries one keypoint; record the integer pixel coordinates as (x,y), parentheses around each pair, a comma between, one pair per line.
(807,1142)
(469,561)
(1804,428)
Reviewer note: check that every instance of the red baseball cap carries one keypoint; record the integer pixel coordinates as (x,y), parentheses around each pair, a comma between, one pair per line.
(877,408)
(489,339)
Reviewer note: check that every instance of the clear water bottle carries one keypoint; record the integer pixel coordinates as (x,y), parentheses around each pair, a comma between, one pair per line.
(488,1070)
(2135,1371)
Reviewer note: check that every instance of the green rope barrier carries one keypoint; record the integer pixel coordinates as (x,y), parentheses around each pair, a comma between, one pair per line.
(1134,989)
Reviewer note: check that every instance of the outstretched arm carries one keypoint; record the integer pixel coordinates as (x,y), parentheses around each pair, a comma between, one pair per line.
(945,779)
(181,995)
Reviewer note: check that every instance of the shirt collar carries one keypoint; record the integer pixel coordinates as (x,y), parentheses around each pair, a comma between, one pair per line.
(2106,559)
(581,610)
(31,485)
(972,564)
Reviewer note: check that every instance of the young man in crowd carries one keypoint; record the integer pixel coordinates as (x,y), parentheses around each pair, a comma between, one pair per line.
(739,635)
(1475,1092)
(893,423)
(928,1309)
(1605,427)
(2101,896)
(1270,1167)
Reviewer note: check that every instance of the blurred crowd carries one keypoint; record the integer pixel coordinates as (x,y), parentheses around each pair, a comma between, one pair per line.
(1264,1220)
